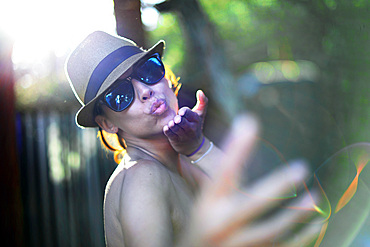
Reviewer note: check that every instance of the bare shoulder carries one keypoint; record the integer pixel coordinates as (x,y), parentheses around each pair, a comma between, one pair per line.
(144,176)
(137,201)
(115,180)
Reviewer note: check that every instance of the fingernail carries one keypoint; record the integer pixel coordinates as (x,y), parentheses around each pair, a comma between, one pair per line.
(298,170)
(178,119)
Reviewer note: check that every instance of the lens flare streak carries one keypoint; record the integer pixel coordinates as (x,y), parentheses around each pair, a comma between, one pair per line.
(351,190)
(322,234)
(323,207)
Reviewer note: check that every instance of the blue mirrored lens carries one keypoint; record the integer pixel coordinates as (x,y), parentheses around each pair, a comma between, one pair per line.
(150,72)
(120,96)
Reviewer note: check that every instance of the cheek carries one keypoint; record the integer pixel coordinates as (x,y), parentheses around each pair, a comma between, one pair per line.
(170,96)
(120,119)
(132,125)
(173,102)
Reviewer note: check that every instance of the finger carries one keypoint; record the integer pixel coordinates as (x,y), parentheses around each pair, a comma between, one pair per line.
(183,110)
(308,236)
(175,128)
(268,191)
(169,134)
(246,209)
(184,127)
(189,114)
(177,119)
(238,147)
(270,229)
(202,102)
(183,123)
(280,183)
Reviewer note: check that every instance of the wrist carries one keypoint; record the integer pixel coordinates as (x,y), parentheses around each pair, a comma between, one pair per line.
(199,147)
(203,151)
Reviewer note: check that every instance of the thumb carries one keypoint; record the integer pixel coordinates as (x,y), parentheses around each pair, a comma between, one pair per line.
(202,102)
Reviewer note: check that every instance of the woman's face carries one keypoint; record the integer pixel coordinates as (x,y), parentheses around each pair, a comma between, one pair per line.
(152,108)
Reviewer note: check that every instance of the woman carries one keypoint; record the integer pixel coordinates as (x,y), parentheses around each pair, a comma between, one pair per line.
(149,199)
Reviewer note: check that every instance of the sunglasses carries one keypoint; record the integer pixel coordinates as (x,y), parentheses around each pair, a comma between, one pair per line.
(121,94)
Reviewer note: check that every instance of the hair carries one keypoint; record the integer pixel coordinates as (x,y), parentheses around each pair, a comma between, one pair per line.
(114,142)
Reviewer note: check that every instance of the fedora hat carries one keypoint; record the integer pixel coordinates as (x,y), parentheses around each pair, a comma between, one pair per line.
(97,62)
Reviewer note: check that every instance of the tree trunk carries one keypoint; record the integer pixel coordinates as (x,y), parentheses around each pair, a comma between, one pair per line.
(206,60)
(128,21)
(11,207)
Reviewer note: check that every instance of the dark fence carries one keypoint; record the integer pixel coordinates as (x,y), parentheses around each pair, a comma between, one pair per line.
(63,174)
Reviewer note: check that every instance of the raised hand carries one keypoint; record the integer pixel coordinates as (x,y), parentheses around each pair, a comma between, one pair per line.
(185,131)
(226,216)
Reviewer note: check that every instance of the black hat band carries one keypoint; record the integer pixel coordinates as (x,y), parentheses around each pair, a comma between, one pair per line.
(105,67)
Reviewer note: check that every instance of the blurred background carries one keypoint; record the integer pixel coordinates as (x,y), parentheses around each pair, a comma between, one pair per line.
(301,66)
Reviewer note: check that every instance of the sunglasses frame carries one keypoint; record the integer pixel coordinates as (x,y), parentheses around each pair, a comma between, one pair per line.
(129,79)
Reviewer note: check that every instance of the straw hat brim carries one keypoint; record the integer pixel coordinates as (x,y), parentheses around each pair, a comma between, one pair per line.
(85,115)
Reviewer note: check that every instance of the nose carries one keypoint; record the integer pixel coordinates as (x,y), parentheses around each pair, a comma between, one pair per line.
(144,92)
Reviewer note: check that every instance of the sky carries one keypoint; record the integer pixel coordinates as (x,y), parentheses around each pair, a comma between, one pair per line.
(40,26)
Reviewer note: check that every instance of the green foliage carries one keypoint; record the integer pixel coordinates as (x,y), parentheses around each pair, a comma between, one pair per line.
(169,30)
(333,34)
(230,26)
(242,26)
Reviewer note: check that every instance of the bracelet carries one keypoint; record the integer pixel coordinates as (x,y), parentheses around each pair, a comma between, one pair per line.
(201,145)
(209,150)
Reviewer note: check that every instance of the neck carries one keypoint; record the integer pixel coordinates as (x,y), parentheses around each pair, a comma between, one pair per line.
(158,149)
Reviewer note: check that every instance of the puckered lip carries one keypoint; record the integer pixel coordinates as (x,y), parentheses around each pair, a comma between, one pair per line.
(158,107)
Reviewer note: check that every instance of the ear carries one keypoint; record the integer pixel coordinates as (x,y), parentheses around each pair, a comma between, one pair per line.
(105,124)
